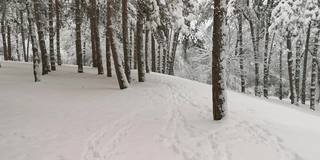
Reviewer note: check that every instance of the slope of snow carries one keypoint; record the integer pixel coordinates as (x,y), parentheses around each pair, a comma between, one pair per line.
(70,116)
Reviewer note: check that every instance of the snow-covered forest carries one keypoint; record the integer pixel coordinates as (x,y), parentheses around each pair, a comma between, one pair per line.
(159,79)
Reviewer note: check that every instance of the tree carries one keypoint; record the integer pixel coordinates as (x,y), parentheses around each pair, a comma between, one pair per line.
(78,36)
(218,98)
(51,37)
(125,39)
(290,68)
(58,26)
(139,41)
(36,58)
(153,54)
(25,56)
(121,76)
(40,21)
(9,41)
(305,63)
(3,31)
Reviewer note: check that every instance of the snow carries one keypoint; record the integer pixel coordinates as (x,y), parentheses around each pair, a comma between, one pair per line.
(71,116)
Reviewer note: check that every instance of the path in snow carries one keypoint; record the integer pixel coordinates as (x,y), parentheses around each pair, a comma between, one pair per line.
(70,116)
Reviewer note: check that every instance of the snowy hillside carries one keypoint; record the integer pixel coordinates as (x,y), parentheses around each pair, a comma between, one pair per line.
(71,116)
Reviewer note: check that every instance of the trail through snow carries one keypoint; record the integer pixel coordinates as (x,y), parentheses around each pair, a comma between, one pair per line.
(70,116)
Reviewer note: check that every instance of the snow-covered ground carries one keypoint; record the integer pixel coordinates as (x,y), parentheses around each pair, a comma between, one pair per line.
(71,116)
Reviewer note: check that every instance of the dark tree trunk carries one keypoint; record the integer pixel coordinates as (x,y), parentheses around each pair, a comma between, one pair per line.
(241,55)
(92,32)
(59,60)
(290,68)
(131,47)
(265,59)
(40,26)
(146,50)
(78,37)
(255,42)
(121,76)
(153,54)
(218,98)
(125,39)
(139,41)
(159,58)
(23,37)
(3,33)
(51,37)
(9,42)
(174,50)
(36,57)
(164,59)
(305,63)
(96,36)
(17,43)
(280,69)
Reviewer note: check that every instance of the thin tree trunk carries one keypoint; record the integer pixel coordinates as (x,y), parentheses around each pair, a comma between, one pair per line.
(17,43)
(9,42)
(40,26)
(125,39)
(59,60)
(131,47)
(241,58)
(139,41)
(314,72)
(92,31)
(51,37)
(159,58)
(305,63)
(146,50)
(255,43)
(280,68)
(218,98)
(297,74)
(174,50)
(121,76)
(164,59)
(23,36)
(36,58)
(290,68)
(3,33)
(153,54)
(78,37)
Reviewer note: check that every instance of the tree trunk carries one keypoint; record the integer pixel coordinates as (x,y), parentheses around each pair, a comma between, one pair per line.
(255,42)
(3,33)
(36,58)
(92,32)
(297,74)
(265,59)
(290,68)
(131,47)
(164,59)
(314,72)
(23,36)
(159,58)
(125,39)
(40,26)
(51,37)
(218,98)
(280,69)
(17,43)
(174,50)
(121,76)
(305,63)
(58,32)
(241,58)
(78,37)
(146,50)
(153,54)
(139,41)
(9,42)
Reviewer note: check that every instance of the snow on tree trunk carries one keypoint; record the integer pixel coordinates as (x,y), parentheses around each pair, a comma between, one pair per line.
(78,36)
(125,39)
(305,63)
(314,72)
(131,46)
(121,76)
(297,74)
(174,50)
(17,43)
(266,44)
(58,31)
(241,55)
(218,97)
(36,58)
(51,37)
(290,68)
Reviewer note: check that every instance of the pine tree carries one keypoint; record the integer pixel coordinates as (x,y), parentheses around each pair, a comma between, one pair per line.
(153,54)
(78,20)
(139,41)
(57,4)
(125,39)
(51,37)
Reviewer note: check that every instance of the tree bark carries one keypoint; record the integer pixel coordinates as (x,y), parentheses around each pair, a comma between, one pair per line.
(159,58)
(174,50)
(9,42)
(297,74)
(78,36)
(153,54)
(290,68)
(23,36)
(125,39)
(146,50)
(51,37)
(3,33)
(139,41)
(241,58)
(40,26)
(280,69)
(218,98)
(59,60)
(121,76)
(36,58)
(305,63)
(314,72)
